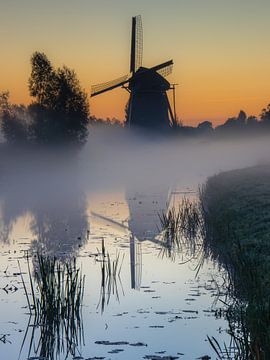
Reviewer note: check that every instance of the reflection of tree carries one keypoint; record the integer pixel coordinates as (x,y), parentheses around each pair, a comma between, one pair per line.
(60,227)
(45,188)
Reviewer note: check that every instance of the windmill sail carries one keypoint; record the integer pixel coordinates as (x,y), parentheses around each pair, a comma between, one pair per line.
(148,104)
(161,67)
(101,88)
(165,71)
(136,44)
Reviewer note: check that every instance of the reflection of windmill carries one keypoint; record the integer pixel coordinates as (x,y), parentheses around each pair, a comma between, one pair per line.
(148,104)
(142,226)
(135,249)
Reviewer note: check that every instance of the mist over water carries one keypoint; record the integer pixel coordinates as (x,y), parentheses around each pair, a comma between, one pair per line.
(62,203)
(118,160)
(55,186)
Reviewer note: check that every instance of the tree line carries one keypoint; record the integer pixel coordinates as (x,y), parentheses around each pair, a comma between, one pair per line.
(59,112)
(237,126)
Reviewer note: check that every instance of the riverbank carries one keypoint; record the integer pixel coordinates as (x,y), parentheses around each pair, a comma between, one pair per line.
(236,208)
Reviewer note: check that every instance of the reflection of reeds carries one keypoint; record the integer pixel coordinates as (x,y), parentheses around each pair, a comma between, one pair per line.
(248,314)
(110,276)
(181,227)
(239,346)
(56,294)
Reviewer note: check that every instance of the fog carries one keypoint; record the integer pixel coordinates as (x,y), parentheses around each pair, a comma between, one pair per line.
(54,186)
(112,160)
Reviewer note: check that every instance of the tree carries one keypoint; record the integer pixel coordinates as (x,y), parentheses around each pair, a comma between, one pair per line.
(242,117)
(265,115)
(205,127)
(60,108)
(14,121)
(252,121)
(42,82)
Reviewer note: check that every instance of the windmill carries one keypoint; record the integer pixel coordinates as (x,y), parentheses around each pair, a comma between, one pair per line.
(148,104)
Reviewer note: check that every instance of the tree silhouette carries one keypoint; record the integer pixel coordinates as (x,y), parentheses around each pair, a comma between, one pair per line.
(265,115)
(242,118)
(14,121)
(60,110)
(252,121)
(205,127)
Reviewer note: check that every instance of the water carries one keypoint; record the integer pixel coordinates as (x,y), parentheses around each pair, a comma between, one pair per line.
(67,207)
(159,308)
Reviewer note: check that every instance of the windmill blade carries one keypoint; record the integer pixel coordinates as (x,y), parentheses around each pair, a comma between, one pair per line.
(165,67)
(139,43)
(136,44)
(101,88)
(167,70)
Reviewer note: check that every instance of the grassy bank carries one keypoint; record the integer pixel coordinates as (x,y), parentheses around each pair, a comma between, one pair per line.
(236,209)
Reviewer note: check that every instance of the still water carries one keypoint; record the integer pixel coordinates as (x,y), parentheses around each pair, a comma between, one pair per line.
(157,307)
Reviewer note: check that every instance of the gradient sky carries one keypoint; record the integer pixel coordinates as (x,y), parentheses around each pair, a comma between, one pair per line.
(220,49)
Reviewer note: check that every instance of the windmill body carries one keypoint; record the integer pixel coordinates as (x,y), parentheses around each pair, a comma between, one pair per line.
(149,100)
(148,105)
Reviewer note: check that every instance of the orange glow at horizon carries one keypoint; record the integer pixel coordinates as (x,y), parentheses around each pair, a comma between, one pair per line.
(220,52)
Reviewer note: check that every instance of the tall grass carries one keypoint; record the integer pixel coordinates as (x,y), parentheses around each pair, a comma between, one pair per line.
(54,301)
(182,228)
(110,276)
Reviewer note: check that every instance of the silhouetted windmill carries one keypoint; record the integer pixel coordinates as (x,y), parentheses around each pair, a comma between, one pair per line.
(148,104)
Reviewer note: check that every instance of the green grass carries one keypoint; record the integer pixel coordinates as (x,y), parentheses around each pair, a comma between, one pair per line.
(236,211)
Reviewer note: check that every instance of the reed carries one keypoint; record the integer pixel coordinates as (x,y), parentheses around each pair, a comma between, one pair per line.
(110,276)
(55,302)
(59,288)
(182,228)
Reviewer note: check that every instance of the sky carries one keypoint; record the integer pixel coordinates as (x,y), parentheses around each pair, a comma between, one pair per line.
(220,50)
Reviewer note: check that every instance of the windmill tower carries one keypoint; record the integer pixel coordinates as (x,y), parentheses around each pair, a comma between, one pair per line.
(148,104)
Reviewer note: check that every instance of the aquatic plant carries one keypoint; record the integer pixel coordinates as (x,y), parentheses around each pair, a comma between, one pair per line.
(54,301)
(181,228)
(110,276)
